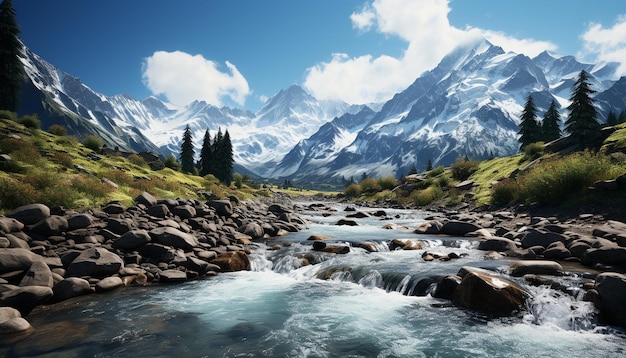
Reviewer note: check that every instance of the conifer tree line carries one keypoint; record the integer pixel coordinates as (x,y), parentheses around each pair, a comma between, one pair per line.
(216,155)
(581,124)
(11,69)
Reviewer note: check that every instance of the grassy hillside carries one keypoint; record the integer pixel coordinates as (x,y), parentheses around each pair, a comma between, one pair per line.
(38,166)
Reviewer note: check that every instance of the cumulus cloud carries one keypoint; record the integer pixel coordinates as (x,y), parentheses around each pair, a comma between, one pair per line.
(183,78)
(606,44)
(425,27)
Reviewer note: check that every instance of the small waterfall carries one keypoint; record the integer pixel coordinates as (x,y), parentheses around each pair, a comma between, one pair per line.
(560,310)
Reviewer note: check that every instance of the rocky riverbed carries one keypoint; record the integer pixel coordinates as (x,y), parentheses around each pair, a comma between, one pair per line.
(48,255)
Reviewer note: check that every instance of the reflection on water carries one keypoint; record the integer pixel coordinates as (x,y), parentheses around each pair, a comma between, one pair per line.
(361,304)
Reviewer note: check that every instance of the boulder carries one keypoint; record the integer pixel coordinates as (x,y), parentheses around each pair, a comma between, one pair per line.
(607,255)
(24,299)
(172,276)
(222,207)
(175,238)
(464,185)
(611,230)
(11,321)
(9,225)
(114,208)
(14,259)
(146,199)
(535,237)
(488,292)
(612,290)
(96,262)
(429,227)
(458,228)
(557,251)
(79,221)
(536,267)
(38,274)
(52,225)
(347,222)
(404,244)
(30,214)
(158,211)
(446,287)
(232,261)
(184,211)
(109,284)
(253,229)
(132,240)
(499,244)
(70,287)
(119,226)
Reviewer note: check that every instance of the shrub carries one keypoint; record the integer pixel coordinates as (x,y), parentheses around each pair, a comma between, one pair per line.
(117,176)
(352,191)
(426,196)
(90,187)
(94,143)
(4,114)
(20,150)
(463,169)
(533,151)
(12,166)
(67,141)
(30,121)
(369,185)
(63,159)
(387,183)
(57,130)
(14,193)
(238,179)
(435,171)
(443,181)
(171,162)
(505,191)
(137,160)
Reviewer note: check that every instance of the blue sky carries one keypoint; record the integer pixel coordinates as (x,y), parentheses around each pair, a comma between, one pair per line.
(240,52)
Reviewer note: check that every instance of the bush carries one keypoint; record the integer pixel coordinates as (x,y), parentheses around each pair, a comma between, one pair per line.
(238,179)
(14,193)
(463,169)
(57,130)
(369,185)
(70,141)
(91,187)
(533,151)
(172,163)
(94,143)
(352,191)
(4,114)
(63,159)
(443,181)
(387,183)
(426,196)
(30,121)
(505,191)
(137,160)
(435,171)
(20,150)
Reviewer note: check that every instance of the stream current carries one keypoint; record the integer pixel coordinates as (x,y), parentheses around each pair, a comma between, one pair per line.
(359,304)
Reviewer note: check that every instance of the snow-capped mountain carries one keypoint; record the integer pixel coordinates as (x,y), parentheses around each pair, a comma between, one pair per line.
(469,105)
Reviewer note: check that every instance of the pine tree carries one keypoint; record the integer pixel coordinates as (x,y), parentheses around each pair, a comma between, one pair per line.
(187,152)
(611,119)
(529,129)
(622,117)
(214,166)
(206,155)
(226,159)
(429,166)
(550,127)
(581,124)
(11,69)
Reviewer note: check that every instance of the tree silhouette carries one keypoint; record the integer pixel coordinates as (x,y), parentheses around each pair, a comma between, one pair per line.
(529,129)
(582,124)
(11,69)
(550,127)
(187,152)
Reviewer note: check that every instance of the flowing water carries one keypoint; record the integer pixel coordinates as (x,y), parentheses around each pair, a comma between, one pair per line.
(359,304)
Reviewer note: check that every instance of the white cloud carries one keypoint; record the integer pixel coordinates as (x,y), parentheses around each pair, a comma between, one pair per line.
(424,25)
(184,78)
(607,44)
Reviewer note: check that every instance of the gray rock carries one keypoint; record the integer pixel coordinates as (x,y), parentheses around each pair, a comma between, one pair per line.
(557,251)
(458,228)
(9,225)
(52,225)
(80,221)
(536,267)
(612,289)
(497,244)
(96,262)
(109,284)
(70,287)
(114,208)
(222,207)
(38,274)
(119,226)
(535,237)
(146,199)
(15,259)
(429,227)
(132,240)
(30,214)
(606,255)
(175,238)
(11,321)
(184,211)
(446,287)
(24,299)
(172,276)
(158,211)
(253,229)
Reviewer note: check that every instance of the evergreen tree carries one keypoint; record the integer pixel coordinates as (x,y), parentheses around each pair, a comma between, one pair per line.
(529,129)
(206,155)
(550,126)
(226,159)
(187,153)
(611,119)
(214,166)
(429,166)
(622,117)
(11,69)
(581,124)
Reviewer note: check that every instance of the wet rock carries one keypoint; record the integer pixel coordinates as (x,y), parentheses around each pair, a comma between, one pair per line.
(24,299)
(488,292)
(497,244)
(30,214)
(71,287)
(109,284)
(446,287)
(429,227)
(458,228)
(536,267)
(96,262)
(172,276)
(347,222)
(612,290)
(404,244)
(358,215)
(232,261)
(253,229)
(318,237)
(50,339)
